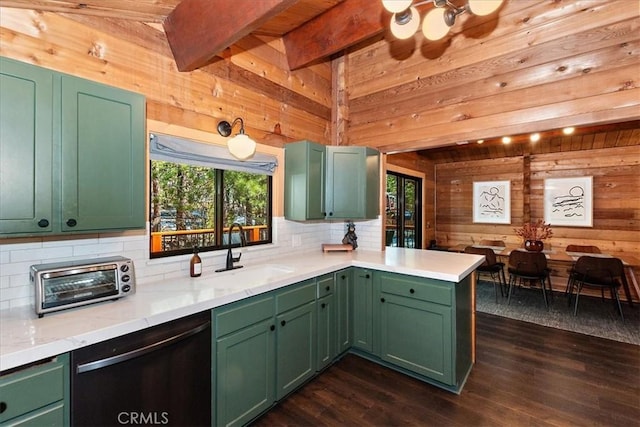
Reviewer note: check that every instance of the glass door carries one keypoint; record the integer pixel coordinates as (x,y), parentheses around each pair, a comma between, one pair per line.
(403,220)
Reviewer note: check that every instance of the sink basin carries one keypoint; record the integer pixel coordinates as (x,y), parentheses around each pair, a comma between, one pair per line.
(269,269)
(260,272)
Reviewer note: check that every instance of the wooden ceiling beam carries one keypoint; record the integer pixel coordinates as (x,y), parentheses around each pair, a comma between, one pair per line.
(198,30)
(340,27)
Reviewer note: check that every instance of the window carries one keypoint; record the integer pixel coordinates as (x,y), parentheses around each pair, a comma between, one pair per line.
(193,203)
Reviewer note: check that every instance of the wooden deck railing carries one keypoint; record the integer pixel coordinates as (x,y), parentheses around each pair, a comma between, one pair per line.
(171,240)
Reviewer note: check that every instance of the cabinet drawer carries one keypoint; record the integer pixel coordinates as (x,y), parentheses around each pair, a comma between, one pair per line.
(52,415)
(295,296)
(33,388)
(416,287)
(240,315)
(326,285)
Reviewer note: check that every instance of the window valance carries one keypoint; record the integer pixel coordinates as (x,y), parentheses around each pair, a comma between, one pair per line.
(174,149)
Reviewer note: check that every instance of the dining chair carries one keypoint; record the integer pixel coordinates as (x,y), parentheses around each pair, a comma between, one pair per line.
(497,243)
(596,272)
(585,249)
(530,266)
(492,267)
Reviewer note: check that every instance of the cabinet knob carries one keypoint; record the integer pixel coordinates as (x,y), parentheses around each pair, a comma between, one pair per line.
(327,288)
(284,322)
(343,277)
(367,276)
(272,327)
(43,223)
(323,305)
(330,213)
(382,299)
(3,407)
(412,291)
(72,222)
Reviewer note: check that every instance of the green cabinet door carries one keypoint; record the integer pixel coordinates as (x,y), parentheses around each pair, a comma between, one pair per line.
(102,162)
(296,348)
(352,183)
(327,342)
(245,372)
(363,309)
(243,360)
(344,311)
(326,323)
(418,336)
(304,182)
(26,148)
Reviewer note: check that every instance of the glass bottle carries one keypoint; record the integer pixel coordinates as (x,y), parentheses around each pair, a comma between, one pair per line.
(195,265)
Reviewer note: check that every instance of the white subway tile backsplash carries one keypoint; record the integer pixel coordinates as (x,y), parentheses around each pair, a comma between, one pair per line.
(16,258)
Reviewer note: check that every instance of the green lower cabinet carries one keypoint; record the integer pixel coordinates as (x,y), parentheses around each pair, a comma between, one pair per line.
(344,312)
(416,335)
(296,348)
(265,347)
(363,309)
(327,340)
(269,345)
(244,375)
(423,326)
(36,396)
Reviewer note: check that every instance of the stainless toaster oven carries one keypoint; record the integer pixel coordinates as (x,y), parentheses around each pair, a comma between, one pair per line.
(74,283)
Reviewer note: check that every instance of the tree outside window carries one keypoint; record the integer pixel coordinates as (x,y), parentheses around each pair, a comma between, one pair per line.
(195,206)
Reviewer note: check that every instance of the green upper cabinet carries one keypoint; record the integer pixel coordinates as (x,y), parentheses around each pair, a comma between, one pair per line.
(304,181)
(331,182)
(75,168)
(26,149)
(353,175)
(102,157)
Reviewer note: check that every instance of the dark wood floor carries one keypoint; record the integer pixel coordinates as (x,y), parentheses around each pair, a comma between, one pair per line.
(525,375)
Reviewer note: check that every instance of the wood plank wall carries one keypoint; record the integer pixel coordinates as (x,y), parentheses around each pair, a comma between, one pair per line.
(616,201)
(533,66)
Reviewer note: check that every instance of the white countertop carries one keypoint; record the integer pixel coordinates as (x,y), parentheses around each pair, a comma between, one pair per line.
(25,338)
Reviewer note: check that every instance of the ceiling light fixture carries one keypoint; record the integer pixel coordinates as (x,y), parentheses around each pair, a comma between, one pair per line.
(406,20)
(534,137)
(240,146)
(568,131)
(506,140)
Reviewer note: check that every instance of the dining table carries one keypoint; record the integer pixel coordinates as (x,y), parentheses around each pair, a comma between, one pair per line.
(568,259)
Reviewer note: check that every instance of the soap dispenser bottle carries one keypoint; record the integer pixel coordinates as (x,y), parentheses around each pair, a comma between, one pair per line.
(195,267)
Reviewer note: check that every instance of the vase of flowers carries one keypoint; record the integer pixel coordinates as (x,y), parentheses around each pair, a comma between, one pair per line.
(534,234)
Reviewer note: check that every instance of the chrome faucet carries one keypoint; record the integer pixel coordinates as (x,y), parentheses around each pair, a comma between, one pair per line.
(230,258)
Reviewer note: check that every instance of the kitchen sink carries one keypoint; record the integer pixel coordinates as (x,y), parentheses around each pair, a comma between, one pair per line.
(259,272)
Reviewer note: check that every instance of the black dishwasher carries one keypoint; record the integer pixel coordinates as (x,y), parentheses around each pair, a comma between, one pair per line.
(157,376)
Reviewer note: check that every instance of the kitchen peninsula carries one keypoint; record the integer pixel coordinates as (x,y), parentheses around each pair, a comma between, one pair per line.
(419,286)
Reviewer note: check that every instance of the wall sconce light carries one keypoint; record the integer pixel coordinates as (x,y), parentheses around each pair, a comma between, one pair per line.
(406,20)
(240,146)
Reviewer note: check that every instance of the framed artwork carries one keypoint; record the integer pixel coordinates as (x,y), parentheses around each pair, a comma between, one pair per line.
(492,202)
(569,201)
